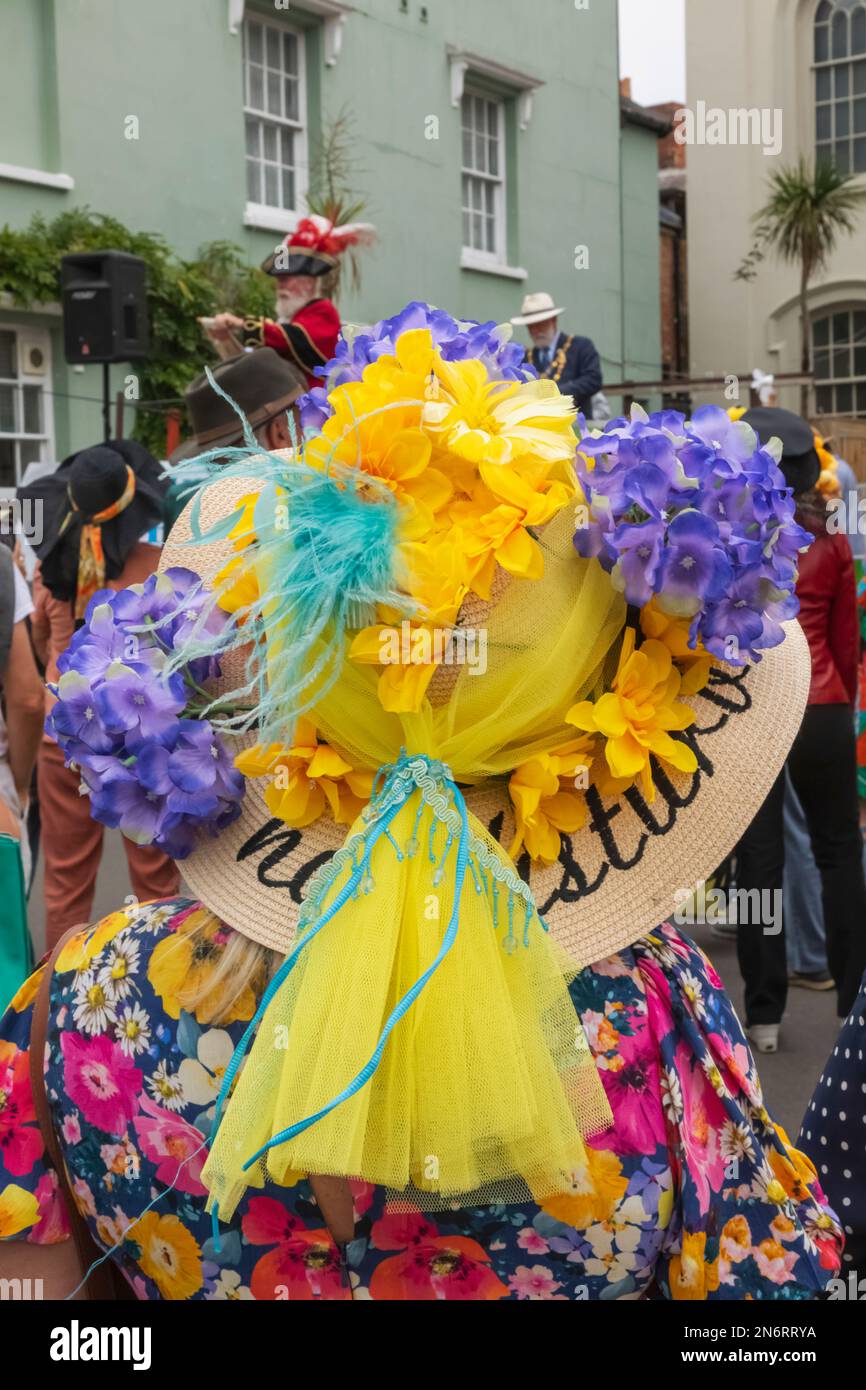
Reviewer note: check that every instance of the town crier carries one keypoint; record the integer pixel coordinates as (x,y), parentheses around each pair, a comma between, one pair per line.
(306,323)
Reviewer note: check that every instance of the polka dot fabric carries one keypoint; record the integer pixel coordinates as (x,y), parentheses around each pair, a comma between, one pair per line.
(834,1131)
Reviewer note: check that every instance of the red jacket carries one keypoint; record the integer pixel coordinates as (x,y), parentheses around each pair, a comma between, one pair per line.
(828,615)
(309,341)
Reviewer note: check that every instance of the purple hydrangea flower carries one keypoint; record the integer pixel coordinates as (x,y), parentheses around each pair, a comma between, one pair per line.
(74,721)
(137,705)
(695,568)
(696,513)
(151,770)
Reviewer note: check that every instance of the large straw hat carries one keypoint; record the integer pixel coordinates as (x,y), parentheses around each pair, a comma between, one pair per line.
(616,878)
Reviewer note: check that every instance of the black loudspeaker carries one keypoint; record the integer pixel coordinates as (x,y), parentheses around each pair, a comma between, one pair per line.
(104,297)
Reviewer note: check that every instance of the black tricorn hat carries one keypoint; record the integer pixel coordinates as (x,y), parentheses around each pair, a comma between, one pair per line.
(260,382)
(800,463)
(284,262)
(85,484)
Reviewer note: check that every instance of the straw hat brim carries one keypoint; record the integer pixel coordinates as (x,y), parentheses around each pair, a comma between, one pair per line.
(538,317)
(617,878)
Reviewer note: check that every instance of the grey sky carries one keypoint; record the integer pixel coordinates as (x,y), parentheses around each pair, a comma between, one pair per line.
(652,43)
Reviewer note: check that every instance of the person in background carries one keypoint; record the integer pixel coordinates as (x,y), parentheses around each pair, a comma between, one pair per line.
(96,506)
(762,390)
(306,324)
(265,387)
(821,763)
(804,915)
(20,731)
(570,361)
(21,714)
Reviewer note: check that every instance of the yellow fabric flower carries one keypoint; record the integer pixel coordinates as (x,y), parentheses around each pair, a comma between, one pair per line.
(308,776)
(695,664)
(690,1276)
(376,428)
(493,525)
(403,683)
(236,583)
(499,422)
(170,1255)
(546,802)
(19,1209)
(636,716)
(828,480)
(435,573)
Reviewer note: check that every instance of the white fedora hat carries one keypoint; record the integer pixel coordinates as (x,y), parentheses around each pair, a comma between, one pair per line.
(536,308)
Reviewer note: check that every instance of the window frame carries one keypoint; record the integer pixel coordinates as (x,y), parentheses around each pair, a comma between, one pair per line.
(831,382)
(263,214)
(827,146)
(40,338)
(499,256)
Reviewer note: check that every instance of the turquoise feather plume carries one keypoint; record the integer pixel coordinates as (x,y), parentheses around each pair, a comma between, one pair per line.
(325,547)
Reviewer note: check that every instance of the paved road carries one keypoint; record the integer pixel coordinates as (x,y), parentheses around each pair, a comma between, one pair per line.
(789,1076)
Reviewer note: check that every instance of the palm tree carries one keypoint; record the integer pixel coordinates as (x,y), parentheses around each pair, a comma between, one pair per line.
(808,210)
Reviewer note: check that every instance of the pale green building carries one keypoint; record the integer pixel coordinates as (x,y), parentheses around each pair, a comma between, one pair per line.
(492,148)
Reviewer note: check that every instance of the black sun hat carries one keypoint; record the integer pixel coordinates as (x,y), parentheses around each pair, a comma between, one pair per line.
(87,484)
(799,463)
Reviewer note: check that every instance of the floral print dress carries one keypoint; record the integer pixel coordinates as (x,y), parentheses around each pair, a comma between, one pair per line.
(694,1193)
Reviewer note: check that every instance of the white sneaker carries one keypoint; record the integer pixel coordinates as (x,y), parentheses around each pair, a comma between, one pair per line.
(764,1037)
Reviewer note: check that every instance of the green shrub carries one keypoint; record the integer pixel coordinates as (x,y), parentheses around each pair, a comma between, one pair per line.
(177,292)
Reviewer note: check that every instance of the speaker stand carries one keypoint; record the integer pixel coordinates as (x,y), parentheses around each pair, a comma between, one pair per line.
(106,404)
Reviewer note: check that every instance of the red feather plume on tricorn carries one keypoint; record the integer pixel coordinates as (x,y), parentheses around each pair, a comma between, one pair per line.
(316,245)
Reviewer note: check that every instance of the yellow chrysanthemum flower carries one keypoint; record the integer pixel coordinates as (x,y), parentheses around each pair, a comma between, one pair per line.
(499,422)
(546,802)
(307,777)
(637,715)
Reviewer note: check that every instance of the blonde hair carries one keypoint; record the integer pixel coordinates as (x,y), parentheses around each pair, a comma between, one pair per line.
(242,963)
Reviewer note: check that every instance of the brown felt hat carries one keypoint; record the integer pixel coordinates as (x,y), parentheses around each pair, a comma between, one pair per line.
(260,382)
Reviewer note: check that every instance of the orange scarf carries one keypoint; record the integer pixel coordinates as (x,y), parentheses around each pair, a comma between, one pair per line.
(91,557)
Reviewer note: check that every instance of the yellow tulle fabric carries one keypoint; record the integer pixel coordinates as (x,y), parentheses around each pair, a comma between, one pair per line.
(549,644)
(486,1087)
